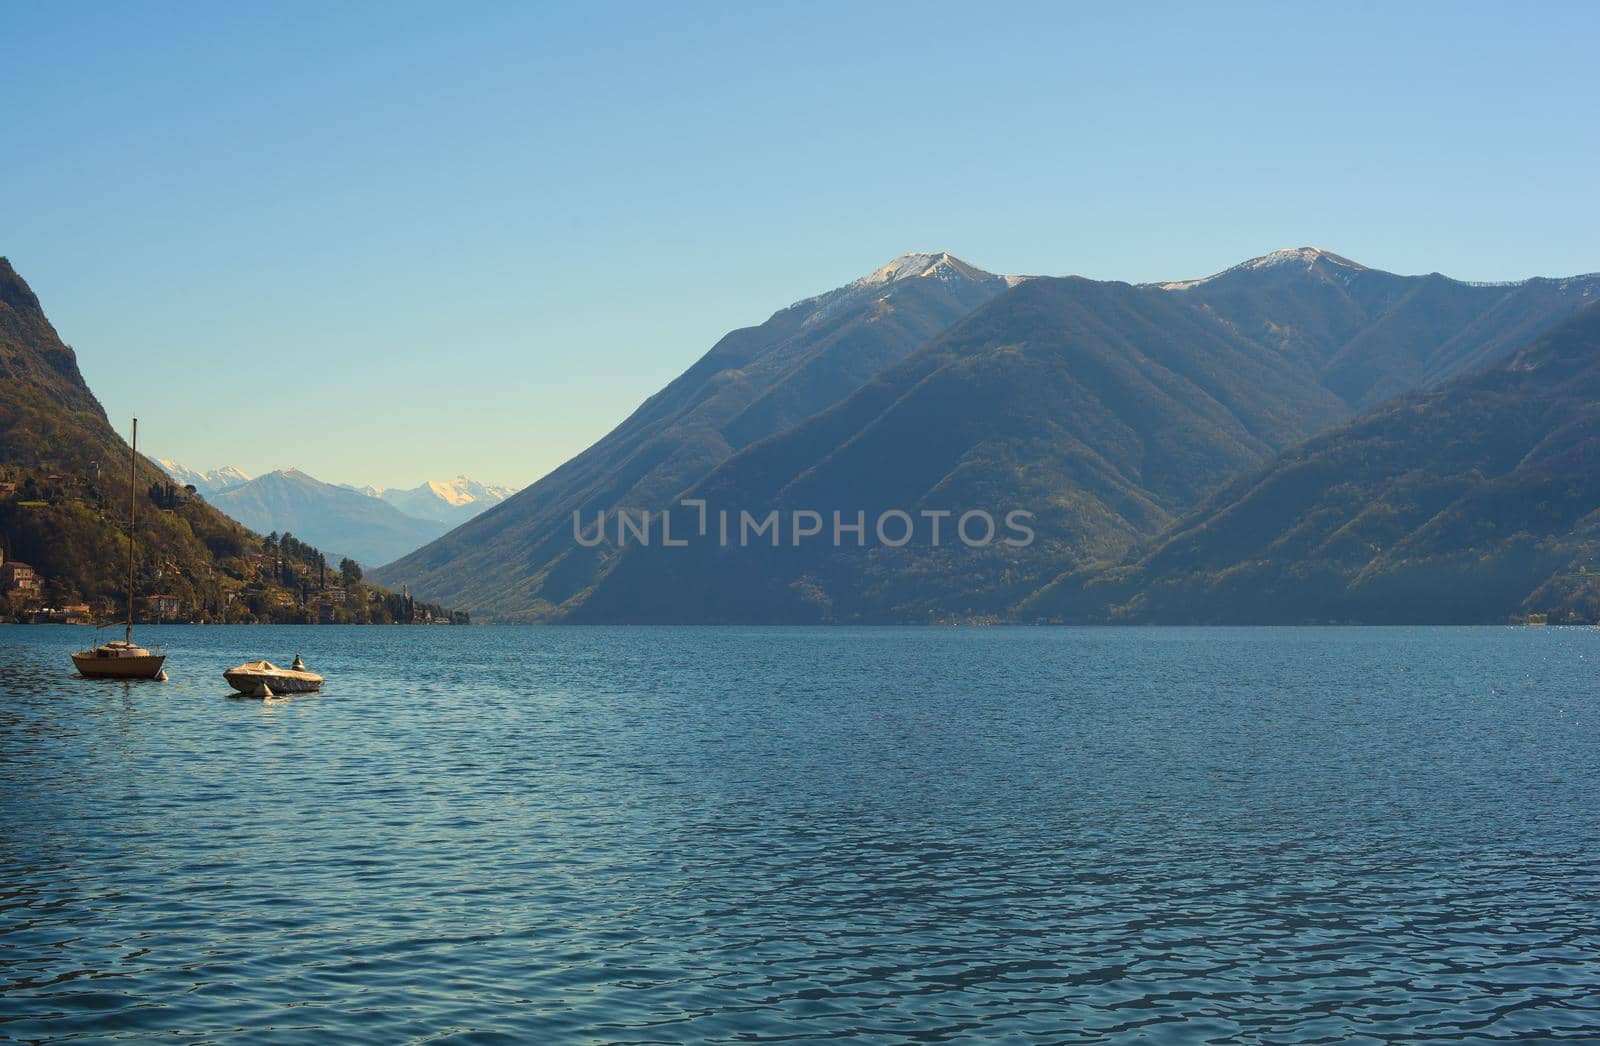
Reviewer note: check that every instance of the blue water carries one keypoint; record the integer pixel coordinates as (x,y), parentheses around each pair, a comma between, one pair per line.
(664,835)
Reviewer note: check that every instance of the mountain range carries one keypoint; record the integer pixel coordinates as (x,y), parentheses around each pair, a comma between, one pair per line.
(1470,503)
(1108,410)
(451,501)
(520,562)
(1296,438)
(208,483)
(338,519)
(371,525)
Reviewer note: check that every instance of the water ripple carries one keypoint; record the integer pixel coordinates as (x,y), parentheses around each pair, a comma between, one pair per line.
(750,835)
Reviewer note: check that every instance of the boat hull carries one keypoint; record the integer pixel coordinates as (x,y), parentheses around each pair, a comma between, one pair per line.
(250,683)
(92,667)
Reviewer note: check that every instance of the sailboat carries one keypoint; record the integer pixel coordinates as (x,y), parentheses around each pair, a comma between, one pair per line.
(120,659)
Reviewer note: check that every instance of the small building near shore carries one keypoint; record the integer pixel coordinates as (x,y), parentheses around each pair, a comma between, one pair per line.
(164,606)
(17,578)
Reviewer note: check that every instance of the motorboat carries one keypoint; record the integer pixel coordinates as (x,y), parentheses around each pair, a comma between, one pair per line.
(265,679)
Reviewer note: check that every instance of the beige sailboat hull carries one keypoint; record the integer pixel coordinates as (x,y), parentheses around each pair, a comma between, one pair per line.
(121,659)
(94,667)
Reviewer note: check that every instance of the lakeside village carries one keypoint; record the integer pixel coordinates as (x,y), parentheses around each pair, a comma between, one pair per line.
(273,580)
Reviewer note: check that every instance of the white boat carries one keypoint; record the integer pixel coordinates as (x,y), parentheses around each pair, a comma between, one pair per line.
(265,679)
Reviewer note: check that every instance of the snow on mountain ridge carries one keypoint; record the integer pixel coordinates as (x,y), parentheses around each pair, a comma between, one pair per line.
(1290,255)
(447,499)
(449,493)
(176,469)
(453,501)
(212,482)
(1308,257)
(464,490)
(1336,266)
(231,473)
(916,265)
(919,265)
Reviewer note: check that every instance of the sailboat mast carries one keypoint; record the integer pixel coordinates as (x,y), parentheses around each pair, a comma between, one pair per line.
(133,486)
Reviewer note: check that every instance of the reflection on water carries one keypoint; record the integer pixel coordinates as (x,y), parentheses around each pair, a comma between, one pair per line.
(750,834)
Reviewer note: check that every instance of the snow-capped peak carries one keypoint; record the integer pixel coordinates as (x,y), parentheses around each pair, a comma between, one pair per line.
(213,482)
(451,501)
(464,490)
(1306,256)
(940,266)
(231,474)
(1303,258)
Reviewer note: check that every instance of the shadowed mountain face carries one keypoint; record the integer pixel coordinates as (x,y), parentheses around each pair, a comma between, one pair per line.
(519,560)
(1101,408)
(1370,334)
(1472,503)
(48,416)
(46,409)
(1106,410)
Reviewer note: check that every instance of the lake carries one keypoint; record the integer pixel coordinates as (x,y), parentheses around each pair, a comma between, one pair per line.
(750,834)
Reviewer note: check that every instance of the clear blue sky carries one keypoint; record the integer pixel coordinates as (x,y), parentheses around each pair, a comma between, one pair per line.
(473,237)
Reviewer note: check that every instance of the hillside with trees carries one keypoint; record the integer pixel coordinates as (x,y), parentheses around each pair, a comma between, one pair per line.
(64,481)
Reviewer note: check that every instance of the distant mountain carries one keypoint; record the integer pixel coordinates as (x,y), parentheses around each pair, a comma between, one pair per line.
(1476,502)
(519,559)
(452,501)
(1105,409)
(341,521)
(207,483)
(449,503)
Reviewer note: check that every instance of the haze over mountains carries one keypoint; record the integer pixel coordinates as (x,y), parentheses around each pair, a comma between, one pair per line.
(451,501)
(1106,409)
(208,483)
(337,519)
(372,525)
